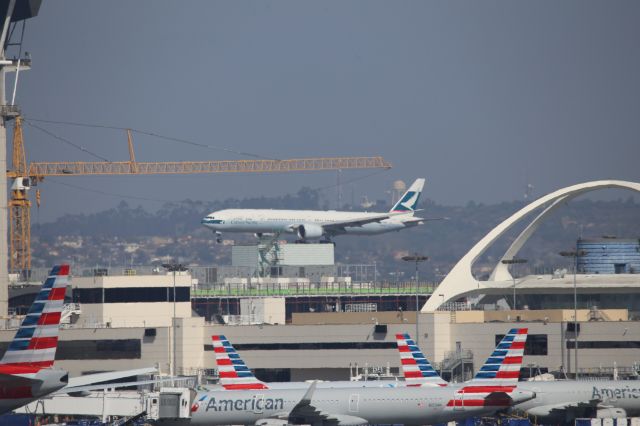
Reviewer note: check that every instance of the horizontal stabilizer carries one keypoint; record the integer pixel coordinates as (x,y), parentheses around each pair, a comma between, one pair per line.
(94,379)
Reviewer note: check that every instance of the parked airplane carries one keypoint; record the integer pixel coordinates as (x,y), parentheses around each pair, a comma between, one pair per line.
(494,387)
(565,400)
(315,224)
(27,372)
(26,369)
(558,401)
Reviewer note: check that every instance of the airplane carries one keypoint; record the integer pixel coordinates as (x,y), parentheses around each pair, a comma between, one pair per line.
(566,400)
(493,388)
(27,372)
(557,401)
(316,224)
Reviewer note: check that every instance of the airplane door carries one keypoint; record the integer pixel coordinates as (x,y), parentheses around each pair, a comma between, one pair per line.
(354,403)
(458,401)
(258,407)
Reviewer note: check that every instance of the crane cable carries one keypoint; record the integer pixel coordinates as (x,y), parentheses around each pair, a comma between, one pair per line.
(156,135)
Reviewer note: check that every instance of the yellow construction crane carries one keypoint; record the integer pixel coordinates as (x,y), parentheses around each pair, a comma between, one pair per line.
(24,177)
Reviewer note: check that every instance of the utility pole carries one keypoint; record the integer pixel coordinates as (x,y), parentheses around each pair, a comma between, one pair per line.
(514,261)
(173,268)
(574,255)
(417,258)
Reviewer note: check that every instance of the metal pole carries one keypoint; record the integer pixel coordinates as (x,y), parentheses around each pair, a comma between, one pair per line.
(514,292)
(575,315)
(173,324)
(417,307)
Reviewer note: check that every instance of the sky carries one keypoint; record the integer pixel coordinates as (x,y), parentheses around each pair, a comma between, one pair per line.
(479,98)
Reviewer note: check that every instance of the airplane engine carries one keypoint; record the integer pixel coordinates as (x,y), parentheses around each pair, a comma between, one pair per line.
(309,231)
(611,412)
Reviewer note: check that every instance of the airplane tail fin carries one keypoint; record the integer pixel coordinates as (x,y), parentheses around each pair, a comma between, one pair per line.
(494,384)
(35,343)
(503,365)
(416,367)
(233,372)
(409,200)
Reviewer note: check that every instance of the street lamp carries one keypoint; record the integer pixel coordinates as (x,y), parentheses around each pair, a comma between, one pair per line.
(514,261)
(174,267)
(417,258)
(574,254)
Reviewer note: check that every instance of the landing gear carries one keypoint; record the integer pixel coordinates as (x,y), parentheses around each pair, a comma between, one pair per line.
(218,237)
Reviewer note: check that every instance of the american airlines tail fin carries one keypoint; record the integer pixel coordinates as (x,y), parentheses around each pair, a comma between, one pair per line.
(409,200)
(502,368)
(416,367)
(34,345)
(495,384)
(233,372)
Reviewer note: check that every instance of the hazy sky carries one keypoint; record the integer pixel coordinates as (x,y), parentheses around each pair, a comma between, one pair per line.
(479,98)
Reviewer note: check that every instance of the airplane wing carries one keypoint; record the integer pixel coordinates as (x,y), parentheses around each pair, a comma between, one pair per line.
(306,413)
(93,379)
(80,390)
(560,410)
(339,225)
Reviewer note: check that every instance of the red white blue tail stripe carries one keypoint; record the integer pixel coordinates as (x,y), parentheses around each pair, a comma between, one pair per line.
(498,376)
(34,345)
(416,367)
(233,372)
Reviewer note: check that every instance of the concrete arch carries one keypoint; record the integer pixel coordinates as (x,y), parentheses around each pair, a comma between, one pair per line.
(460,281)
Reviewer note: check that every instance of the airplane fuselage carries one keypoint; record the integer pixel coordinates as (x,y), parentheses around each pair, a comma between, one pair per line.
(550,396)
(286,221)
(406,405)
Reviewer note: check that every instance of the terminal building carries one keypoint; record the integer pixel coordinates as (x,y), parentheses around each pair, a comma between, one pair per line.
(297,328)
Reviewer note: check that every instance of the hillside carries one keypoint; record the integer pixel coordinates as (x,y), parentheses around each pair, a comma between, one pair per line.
(128,235)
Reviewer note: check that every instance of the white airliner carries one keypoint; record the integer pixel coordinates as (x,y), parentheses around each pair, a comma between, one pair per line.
(315,224)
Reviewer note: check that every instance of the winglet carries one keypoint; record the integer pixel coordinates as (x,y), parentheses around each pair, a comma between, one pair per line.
(233,372)
(35,343)
(416,367)
(306,399)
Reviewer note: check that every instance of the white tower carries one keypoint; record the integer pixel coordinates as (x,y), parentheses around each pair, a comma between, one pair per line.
(16,12)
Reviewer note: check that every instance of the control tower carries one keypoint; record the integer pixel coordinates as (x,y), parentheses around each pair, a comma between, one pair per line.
(13,16)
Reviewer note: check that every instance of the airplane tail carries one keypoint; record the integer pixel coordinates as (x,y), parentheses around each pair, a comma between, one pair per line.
(502,368)
(409,201)
(495,384)
(416,367)
(233,372)
(34,345)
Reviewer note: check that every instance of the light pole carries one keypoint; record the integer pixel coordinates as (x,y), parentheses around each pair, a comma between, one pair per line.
(514,261)
(574,254)
(173,268)
(417,258)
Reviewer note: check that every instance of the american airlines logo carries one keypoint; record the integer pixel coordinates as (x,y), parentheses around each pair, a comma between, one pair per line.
(249,404)
(626,392)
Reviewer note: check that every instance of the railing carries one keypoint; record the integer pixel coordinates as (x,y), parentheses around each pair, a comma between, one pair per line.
(312,289)
(455,306)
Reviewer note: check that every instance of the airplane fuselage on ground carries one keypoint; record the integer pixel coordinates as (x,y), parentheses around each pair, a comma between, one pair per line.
(566,399)
(344,406)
